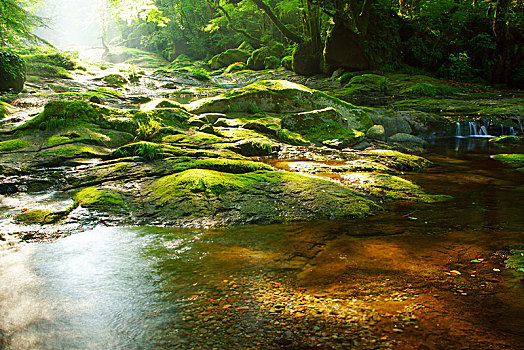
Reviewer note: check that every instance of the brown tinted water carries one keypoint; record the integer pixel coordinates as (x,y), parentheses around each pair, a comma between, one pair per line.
(401,279)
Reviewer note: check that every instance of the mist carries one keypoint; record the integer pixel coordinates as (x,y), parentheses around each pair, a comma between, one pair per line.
(72,23)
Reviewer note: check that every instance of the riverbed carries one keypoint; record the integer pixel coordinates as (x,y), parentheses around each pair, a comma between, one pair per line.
(413,276)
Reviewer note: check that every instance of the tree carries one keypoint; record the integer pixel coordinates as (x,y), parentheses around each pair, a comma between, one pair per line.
(16,22)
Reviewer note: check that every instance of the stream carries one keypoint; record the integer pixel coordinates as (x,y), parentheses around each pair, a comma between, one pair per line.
(401,279)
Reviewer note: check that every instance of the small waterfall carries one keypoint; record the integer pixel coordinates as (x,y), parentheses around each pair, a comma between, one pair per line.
(483,131)
(458,132)
(473,129)
(512,131)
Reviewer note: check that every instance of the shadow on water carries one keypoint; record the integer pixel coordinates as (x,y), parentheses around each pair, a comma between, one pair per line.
(152,287)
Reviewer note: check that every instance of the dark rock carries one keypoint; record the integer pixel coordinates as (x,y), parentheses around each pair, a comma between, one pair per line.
(407,138)
(208,129)
(305,60)
(95,99)
(260,58)
(8,188)
(343,50)
(228,57)
(12,72)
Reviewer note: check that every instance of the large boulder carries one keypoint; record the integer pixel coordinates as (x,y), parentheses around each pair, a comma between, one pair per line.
(393,123)
(228,57)
(12,72)
(305,60)
(281,96)
(260,58)
(407,138)
(343,50)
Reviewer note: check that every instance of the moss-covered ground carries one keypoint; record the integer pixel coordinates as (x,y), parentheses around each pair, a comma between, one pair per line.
(192,164)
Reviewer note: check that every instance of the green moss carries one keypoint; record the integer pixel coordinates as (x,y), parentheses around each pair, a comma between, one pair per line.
(12,145)
(398,160)
(426,89)
(41,216)
(103,91)
(101,200)
(57,59)
(59,115)
(228,57)
(164,151)
(12,64)
(278,96)
(366,83)
(47,70)
(506,140)
(200,74)
(235,67)
(160,103)
(391,187)
(291,137)
(515,260)
(200,180)
(234,166)
(5,109)
(192,139)
(70,151)
(115,80)
(510,160)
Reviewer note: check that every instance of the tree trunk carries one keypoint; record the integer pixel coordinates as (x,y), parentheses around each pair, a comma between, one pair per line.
(286,32)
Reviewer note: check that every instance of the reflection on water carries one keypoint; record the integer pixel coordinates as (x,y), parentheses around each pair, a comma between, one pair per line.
(132,288)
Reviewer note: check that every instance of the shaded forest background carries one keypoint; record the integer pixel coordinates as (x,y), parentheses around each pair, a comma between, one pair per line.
(465,40)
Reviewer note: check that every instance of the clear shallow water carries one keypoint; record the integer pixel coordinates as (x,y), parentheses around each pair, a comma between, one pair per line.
(141,288)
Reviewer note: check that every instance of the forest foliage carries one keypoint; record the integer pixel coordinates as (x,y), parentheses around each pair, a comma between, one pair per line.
(456,39)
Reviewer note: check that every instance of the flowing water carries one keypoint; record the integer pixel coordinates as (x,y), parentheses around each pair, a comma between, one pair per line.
(400,279)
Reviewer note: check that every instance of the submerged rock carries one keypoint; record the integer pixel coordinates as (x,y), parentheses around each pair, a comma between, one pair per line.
(510,160)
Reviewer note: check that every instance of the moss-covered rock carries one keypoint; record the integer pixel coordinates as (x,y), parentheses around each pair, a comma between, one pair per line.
(385,186)
(260,197)
(376,132)
(235,67)
(50,65)
(115,80)
(246,46)
(160,103)
(280,96)
(271,62)
(325,125)
(234,166)
(41,216)
(260,58)
(100,200)
(393,123)
(510,160)
(366,83)
(398,160)
(507,140)
(228,57)
(12,72)
(59,115)
(13,145)
(515,259)
(5,109)
(407,139)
